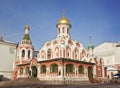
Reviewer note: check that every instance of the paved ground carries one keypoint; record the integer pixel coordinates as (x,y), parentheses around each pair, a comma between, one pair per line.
(62,86)
(34,83)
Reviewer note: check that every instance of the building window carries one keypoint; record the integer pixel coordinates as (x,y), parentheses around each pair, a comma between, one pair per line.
(53,68)
(56,51)
(49,53)
(42,56)
(69,68)
(99,72)
(43,69)
(56,54)
(59,30)
(27,70)
(76,54)
(23,53)
(67,30)
(28,53)
(63,30)
(21,71)
(90,72)
(68,54)
(81,69)
(68,50)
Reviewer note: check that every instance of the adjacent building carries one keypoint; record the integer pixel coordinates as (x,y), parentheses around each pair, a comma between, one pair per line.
(110,52)
(7,57)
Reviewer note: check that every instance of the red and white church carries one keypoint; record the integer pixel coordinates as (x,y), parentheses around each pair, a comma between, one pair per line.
(61,59)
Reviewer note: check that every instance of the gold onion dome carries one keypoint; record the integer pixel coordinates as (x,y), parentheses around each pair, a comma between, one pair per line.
(27,27)
(64,20)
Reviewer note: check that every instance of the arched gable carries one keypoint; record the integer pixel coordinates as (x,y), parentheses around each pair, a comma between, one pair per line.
(76,53)
(42,54)
(70,42)
(56,52)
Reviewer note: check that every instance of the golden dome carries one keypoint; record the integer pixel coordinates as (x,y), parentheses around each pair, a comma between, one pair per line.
(64,20)
(27,27)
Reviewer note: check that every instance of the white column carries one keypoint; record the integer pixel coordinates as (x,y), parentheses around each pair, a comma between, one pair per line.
(26,54)
(94,71)
(103,72)
(47,71)
(31,54)
(20,56)
(38,69)
(24,72)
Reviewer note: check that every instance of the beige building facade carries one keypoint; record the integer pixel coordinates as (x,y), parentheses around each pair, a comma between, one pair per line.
(110,52)
(7,57)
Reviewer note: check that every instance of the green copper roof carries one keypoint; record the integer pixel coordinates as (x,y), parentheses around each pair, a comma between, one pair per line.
(90,46)
(26,36)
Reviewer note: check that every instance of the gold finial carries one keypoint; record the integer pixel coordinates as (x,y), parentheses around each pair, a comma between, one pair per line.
(27,27)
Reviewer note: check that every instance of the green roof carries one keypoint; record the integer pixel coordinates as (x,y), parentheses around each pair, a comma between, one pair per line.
(90,46)
(26,36)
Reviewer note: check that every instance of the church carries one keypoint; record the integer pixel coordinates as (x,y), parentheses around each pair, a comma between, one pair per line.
(61,59)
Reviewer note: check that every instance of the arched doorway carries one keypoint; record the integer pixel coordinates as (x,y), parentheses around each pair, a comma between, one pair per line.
(34,71)
(90,72)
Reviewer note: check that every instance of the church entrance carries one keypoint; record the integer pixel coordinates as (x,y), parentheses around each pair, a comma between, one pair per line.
(34,71)
(90,72)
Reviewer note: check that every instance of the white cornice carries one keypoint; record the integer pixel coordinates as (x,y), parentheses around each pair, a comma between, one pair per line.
(8,43)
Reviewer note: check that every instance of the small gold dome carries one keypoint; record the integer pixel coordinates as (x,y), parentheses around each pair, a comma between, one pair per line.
(27,27)
(64,20)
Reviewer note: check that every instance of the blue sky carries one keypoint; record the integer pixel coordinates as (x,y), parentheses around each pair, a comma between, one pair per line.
(97,18)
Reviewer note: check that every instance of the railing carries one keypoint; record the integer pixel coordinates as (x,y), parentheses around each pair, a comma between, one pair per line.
(81,75)
(70,74)
(42,74)
(53,74)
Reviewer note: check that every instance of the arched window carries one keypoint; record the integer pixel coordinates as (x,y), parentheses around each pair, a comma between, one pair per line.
(99,72)
(63,30)
(67,30)
(59,30)
(56,52)
(49,53)
(81,69)
(76,54)
(28,53)
(43,69)
(53,68)
(27,70)
(68,52)
(23,53)
(21,71)
(90,72)
(42,54)
(69,68)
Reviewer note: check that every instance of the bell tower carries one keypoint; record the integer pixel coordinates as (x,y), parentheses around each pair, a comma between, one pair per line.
(25,48)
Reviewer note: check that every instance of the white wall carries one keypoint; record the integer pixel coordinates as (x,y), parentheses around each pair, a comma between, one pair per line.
(7,57)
